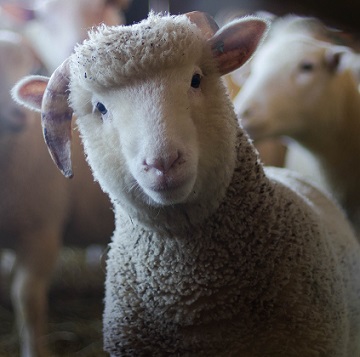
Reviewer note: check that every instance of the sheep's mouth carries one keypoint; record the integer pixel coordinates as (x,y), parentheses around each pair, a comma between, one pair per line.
(168,192)
(167,186)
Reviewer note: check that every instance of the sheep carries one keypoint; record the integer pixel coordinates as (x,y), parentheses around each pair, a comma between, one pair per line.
(65,22)
(39,208)
(309,94)
(212,255)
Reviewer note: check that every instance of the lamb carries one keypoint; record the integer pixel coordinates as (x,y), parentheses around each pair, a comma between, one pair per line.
(39,208)
(309,94)
(212,255)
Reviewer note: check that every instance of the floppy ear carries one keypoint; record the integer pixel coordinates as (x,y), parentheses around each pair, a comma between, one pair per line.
(29,92)
(56,115)
(234,44)
(50,96)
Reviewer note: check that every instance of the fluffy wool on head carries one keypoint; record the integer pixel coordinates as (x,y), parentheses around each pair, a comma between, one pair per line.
(115,55)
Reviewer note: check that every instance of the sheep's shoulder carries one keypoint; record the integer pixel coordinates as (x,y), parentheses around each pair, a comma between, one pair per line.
(334,247)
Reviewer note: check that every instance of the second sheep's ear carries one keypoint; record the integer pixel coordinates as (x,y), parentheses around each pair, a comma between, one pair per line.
(339,58)
(234,44)
(29,92)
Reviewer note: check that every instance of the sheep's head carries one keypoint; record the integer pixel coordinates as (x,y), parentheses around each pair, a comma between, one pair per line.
(295,86)
(152,112)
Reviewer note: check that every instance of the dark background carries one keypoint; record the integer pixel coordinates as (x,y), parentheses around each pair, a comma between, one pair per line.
(343,14)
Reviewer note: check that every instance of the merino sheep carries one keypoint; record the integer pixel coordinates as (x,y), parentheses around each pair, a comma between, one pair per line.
(39,208)
(211,255)
(310,94)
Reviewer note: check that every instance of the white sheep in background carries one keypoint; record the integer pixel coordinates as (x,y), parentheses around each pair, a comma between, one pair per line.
(39,208)
(65,23)
(307,90)
(211,255)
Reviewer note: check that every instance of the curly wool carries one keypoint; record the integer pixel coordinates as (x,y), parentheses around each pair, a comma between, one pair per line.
(247,264)
(118,54)
(233,277)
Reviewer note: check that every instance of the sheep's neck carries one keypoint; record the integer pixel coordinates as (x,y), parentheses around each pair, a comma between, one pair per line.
(337,149)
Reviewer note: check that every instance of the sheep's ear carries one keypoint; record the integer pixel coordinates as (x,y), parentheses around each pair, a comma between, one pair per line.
(50,96)
(56,116)
(236,42)
(333,60)
(29,92)
(341,58)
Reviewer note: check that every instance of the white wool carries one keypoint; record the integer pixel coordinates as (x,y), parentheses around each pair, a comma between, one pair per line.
(114,56)
(216,267)
(211,254)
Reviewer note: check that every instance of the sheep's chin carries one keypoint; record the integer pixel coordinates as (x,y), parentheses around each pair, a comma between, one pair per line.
(169,196)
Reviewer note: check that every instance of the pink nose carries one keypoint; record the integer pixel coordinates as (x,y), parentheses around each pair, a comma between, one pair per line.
(163,164)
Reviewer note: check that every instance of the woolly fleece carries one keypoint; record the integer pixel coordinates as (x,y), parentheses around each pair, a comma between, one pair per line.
(263,266)
(266,273)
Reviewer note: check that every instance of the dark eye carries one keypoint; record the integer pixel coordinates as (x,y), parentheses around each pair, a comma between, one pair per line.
(195,81)
(307,66)
(101,108)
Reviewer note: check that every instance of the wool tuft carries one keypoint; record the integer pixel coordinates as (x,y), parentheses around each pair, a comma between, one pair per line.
(115,55)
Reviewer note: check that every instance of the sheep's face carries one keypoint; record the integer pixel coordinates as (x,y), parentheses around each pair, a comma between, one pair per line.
(149,131)
(157,125)
(150,97)
(288,89)
(154,147)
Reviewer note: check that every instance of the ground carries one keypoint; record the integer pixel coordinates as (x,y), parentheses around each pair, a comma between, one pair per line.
(75,310)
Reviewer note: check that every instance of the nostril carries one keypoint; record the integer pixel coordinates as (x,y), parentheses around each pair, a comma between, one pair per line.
(163,164)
